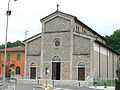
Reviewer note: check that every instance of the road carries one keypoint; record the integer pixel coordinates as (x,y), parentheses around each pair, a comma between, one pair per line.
(20,86)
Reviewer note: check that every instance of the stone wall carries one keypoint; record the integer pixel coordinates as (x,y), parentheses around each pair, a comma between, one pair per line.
(34,47)
(33,55)
(77,59)
(81,53)
(81,45)
(50,50)
(63,51)
(81,29)
(57,24)
(57,28)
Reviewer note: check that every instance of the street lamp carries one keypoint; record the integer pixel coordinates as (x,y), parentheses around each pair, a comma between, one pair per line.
(8,13)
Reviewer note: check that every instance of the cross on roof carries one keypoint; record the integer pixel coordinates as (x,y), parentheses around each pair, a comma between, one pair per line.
(57,7)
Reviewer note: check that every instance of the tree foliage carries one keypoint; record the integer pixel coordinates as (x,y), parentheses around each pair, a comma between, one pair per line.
(113,40)
(14,44)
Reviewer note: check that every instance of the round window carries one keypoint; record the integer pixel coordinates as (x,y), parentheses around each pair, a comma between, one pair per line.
(57,43)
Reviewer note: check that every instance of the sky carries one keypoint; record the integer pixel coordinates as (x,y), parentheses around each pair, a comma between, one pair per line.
(103,16)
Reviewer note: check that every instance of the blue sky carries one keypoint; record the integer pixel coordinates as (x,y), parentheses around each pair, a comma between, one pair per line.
(103,16)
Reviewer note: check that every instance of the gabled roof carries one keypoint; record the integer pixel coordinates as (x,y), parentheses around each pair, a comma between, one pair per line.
(76,20)
(33,37)
(57,12)
(14,49)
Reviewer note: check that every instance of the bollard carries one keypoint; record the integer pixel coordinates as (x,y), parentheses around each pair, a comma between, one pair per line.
(15,80)
(53,83)
(79,84)
(38,82)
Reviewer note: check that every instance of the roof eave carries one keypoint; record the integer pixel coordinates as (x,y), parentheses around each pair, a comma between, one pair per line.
(107,47)
(78,21)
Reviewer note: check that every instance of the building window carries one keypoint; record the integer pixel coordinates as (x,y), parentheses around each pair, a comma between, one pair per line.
(18,56)
(33,64)
(77,28)
(57,42)
(17,70)
(81,64)
(56,58)
(8,57)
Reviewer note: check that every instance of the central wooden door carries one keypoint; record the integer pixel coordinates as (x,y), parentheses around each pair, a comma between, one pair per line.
(56,70)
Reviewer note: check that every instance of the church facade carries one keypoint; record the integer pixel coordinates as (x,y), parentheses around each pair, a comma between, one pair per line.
(70,50)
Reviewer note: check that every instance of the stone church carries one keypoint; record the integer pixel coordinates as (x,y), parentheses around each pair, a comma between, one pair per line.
(70,50)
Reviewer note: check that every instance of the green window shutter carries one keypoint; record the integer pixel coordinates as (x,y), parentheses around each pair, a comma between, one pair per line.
(8,57)
(18,56)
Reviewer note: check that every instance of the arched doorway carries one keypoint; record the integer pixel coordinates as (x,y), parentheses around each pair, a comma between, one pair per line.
(17,70)
(33,70)
(81,71)
(56,66)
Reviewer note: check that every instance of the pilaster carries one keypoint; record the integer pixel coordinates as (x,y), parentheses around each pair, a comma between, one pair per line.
(26,44)
(42,50)
(71,48)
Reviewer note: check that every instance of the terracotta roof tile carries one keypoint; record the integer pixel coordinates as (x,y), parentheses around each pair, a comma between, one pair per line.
(18,48)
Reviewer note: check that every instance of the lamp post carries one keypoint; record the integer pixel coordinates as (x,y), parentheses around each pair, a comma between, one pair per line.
(8,13)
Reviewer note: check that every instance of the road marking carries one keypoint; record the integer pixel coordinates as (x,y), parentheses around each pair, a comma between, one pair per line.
(57,89)
(33,89)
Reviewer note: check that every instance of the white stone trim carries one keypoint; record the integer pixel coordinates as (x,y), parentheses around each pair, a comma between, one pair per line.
(26,46)
(42,51)
(71,48)
(91,58)
(83,35)
(57,15)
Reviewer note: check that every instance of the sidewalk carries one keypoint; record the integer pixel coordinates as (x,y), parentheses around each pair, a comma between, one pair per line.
(102,88)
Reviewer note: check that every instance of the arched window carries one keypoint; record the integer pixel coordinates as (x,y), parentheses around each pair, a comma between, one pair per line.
(56,58)
(81,64)
(33,64)
(18,70)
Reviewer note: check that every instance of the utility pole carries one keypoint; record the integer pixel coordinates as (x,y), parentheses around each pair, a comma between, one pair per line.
(26,34)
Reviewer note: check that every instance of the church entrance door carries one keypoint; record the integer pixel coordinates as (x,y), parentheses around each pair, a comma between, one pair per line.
(56,70)
(81,73)
(32,72)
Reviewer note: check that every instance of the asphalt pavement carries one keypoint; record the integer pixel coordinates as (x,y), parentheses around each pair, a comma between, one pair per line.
(19,86)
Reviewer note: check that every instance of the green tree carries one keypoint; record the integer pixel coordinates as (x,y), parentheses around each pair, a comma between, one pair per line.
(14,44)
(113,40)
